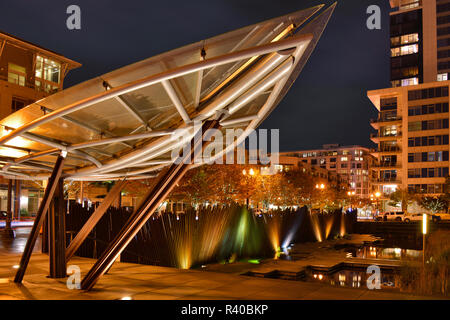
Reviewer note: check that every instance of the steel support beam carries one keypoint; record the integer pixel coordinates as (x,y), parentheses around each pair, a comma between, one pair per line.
(284,44)
(17,192)
(57,233)
(86,126)
(40,216)
(112,196)
(8,232)
(165,183)
(176,101)
(132,110)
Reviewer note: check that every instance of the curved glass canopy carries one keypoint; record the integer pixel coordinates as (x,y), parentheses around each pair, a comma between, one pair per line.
(123,123)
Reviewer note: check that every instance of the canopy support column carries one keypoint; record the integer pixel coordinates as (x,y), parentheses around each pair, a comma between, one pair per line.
(8,232)
(166,181)
(112,196)
(57,233)
(17,192)
(40,217)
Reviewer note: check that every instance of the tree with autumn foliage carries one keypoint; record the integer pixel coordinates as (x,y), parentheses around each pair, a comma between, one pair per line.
(224,184)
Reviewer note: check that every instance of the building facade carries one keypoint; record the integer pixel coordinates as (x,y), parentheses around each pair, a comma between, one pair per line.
(412,137)
(287,163)
(27,73)
(412,124)
(352,164)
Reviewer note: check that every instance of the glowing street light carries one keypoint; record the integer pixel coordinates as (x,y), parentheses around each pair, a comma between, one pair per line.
(251,172)
(424,232)
(424,223)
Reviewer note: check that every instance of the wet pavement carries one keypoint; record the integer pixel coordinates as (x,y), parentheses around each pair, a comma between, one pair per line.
(17,245)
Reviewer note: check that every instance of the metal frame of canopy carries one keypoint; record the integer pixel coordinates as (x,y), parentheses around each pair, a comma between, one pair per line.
(298,42)
(272,66)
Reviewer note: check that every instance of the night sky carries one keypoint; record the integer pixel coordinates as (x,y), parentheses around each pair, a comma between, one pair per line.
(327,103)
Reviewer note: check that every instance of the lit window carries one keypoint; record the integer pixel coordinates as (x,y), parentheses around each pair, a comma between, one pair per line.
(410,5)
(405,39)
(442,77)
(48,73)
(344,159)
(405,82)
(16,74)
(404,50)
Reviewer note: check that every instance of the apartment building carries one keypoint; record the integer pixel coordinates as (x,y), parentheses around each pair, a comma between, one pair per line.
(352,164)
(28,73)
(412,137)
(412,124)
(287,163)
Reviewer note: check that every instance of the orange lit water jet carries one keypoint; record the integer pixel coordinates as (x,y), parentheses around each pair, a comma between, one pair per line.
(316,226)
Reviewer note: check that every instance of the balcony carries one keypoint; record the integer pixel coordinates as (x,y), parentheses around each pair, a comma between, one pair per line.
(387,165)
(376,123)
(377,137)
(386,180)
(30,85)
(388,150)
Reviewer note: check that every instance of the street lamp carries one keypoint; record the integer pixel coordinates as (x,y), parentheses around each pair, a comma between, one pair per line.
(251,172)
(424,233)
(320,187)
(377,195)
(350,194)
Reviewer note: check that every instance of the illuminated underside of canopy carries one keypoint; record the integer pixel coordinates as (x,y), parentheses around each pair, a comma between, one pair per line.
(122,124)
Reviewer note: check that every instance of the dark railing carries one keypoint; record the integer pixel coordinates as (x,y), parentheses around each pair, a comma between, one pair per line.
(387,165)
(385,119)
(390,179)
(378,135)
(389,149)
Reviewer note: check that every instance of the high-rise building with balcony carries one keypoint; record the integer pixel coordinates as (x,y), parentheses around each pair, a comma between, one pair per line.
(351,163)
(412,124)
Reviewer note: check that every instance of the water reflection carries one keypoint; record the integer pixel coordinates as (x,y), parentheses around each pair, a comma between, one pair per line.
(354,278)
(375,252)
(17,245)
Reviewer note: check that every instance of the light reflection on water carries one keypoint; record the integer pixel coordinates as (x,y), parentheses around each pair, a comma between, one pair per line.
(375,252)
(17,245)
(353,278)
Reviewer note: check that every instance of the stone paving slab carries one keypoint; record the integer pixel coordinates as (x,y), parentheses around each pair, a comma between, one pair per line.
(149,282)
(160,283)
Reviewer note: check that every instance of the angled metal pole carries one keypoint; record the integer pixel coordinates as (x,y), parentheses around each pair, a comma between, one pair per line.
(40,216)
(94,219)
(164,185)
(57,233)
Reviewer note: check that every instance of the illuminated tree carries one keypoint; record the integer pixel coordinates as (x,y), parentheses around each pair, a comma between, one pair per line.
(401,196)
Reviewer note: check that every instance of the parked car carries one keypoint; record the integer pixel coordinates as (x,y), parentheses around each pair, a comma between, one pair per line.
(391,216)
(419,217)
(443,215)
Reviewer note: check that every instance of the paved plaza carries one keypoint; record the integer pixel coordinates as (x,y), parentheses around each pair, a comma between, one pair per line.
(152,282)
